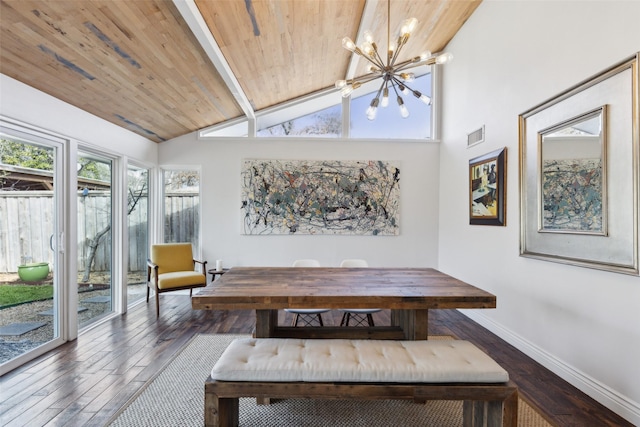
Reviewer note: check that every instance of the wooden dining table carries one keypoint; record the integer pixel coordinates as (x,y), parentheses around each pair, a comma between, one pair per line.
(408,292)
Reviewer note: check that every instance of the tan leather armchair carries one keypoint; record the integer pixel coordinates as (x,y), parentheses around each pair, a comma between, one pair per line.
(172,268)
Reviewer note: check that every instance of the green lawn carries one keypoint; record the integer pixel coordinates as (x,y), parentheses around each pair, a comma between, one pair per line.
(15,294)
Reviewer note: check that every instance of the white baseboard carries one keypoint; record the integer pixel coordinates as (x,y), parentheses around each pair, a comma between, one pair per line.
(600,392)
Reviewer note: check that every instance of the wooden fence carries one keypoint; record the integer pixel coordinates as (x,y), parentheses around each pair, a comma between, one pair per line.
(26,228)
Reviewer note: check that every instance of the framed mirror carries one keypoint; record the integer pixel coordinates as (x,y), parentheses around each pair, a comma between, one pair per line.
(573,171)
(579,173)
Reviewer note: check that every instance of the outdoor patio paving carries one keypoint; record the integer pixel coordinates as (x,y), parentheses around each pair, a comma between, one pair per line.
(26,326)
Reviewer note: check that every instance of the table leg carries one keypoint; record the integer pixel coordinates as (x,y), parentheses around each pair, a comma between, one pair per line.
(266,323)
(414,323)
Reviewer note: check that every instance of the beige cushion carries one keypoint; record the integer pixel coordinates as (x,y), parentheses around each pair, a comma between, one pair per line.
(181,278)
(343,360)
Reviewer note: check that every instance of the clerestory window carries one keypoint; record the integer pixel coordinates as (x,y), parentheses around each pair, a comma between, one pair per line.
(327,115)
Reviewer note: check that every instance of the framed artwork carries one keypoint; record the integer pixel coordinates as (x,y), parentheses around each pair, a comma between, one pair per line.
(579,174)
(320,197)
(487,185)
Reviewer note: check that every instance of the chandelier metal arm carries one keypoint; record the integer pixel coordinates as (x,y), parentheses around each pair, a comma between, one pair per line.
(379,58)
(415,62)
(364,79)
(402,40)
(393,86)
(365,56)
(397,81)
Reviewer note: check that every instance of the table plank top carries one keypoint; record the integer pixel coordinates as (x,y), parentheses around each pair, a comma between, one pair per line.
(268,288)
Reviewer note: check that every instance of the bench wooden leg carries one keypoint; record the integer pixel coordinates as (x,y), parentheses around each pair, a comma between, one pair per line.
(221,412)
(510,412)
(489,414)
(474,414)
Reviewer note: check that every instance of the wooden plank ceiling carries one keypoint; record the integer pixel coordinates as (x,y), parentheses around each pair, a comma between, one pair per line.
(137,63)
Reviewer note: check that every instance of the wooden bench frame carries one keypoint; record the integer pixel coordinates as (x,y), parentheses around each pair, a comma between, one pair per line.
(485,404)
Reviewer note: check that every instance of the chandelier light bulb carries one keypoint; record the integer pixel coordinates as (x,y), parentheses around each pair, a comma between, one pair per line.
(348,44)
(408,77)
(444,58)
(408,25)
(425,55)
(403,108)
(367,48)
(346,91)
(385,97)
(403,89)
(368,36)
(373,109)
(340,84)
(422,97)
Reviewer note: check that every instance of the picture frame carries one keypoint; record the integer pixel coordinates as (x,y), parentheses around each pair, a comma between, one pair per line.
(579,176)
(487,188)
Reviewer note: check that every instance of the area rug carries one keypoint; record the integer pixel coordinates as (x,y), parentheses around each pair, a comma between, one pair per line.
(175,397)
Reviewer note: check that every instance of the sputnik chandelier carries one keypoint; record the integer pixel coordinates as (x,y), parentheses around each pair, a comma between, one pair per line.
(394,75)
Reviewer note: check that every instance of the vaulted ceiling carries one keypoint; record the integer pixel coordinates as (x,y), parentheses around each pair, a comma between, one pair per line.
(163,68)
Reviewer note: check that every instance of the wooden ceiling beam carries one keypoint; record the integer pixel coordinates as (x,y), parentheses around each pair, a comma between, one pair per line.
(198,26)
(368,15)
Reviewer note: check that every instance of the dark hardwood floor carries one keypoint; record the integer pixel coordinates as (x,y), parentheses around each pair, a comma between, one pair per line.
(85,382)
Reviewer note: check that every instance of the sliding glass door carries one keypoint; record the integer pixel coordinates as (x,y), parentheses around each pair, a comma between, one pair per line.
(95,255)
(31,264)
(138,232)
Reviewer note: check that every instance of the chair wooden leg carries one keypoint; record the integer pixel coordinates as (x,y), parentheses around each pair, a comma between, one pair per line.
(157,303)
(295,320)
(148,290)
(320,319)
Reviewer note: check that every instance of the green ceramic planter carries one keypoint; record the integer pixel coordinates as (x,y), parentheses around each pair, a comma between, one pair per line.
(33,272)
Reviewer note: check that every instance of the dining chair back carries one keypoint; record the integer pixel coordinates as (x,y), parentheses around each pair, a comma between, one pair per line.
(306,263)
(355,263)
(358,315)
(308,316)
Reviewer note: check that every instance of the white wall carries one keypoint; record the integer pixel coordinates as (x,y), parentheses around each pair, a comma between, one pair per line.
(509,57)
(221,161)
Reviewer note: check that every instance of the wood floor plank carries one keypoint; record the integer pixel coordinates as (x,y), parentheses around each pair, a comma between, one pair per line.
(85,382)
(81,389)
(70,417)
(35,418)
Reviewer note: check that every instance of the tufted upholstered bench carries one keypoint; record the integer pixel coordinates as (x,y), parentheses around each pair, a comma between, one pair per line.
(361,369)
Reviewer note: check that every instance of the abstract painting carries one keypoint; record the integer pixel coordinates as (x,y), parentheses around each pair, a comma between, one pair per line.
(320,197)
(572,195)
